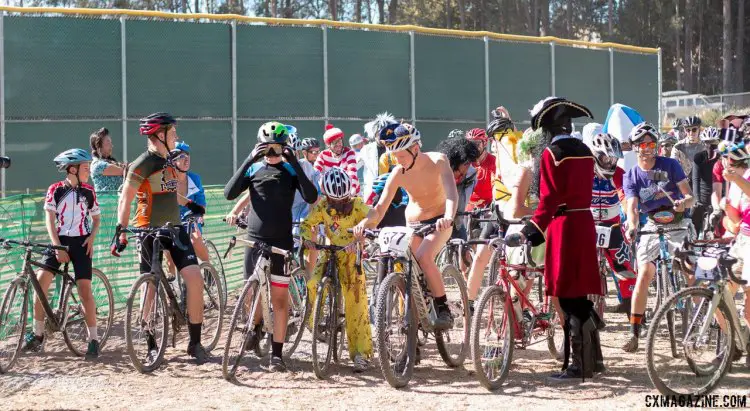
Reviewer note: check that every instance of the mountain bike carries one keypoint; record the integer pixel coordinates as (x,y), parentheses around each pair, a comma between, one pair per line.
(405,306)
(668,281)
(709,309)
(215,257)
(455,251)
(152,302)
(68,318)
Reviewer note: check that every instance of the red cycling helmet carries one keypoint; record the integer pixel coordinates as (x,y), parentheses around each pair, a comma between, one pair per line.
(476,134)
(152,123)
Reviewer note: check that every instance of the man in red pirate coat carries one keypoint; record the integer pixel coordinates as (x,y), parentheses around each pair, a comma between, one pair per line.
(564,219)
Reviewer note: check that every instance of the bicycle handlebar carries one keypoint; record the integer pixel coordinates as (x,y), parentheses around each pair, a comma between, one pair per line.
(263,246)
(725,260)
(6,242)
(662,230)
(473,213)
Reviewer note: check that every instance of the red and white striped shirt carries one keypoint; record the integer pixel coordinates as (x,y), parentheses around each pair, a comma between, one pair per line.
(346,161)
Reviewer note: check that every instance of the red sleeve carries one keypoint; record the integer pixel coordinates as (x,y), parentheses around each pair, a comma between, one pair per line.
(351,168)
(549,199)
(617,179)
(319,161)
(717,172)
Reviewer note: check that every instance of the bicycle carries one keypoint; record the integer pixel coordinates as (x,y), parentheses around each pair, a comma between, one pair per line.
(405,306)
(152,301)
(255,301)
(516,323)
(215,259)
(455,247)
(328,327)
(706,366)
(667,283)
(68,318)
(603,235)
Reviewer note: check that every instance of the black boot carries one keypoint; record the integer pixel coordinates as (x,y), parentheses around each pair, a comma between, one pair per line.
(581,353)
(597,343)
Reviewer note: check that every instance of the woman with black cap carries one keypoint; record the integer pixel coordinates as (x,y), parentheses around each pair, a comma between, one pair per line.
(564,219)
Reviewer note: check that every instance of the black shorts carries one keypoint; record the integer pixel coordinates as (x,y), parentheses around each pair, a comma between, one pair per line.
(279,276)
(181,258)
(78,257)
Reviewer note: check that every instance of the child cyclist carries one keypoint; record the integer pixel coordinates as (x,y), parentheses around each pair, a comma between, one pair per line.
(69,205)
(338,212)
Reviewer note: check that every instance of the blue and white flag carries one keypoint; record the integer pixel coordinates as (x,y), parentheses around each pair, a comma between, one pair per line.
(620,121)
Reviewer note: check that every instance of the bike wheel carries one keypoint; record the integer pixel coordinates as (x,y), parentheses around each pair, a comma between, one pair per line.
(447,255)
(325,323)
(698,369)
(213,306)
(218,263)
(491,278)
(240,329)
(453,344)
(299,311)
(491,338)
(76,333)
(13,317)
(395,331)
(146,323)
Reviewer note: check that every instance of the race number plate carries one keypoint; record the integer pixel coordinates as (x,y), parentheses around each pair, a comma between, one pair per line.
(603,234)
(706,270)
(395,240)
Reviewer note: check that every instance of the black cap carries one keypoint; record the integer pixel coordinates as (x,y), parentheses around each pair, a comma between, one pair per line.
(556,111)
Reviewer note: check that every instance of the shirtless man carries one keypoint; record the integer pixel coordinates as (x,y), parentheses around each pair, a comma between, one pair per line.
(433,198)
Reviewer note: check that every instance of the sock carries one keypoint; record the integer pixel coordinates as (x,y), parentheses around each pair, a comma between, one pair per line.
(635,324)
(276,349)
(93,333)
(471,306)
(195,333)
(440,302)
(39,328)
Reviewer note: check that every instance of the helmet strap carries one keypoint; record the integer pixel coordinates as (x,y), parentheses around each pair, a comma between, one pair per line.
(413,161)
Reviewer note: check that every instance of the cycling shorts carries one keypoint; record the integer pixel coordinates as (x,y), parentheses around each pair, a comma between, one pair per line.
(182,258)
(741,250)
(278,275)
(648,244)
(78,257)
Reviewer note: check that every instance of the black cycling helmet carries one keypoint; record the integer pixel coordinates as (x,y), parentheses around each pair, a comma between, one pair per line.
(309,143)
(152,123)
(692,121)
(497,125)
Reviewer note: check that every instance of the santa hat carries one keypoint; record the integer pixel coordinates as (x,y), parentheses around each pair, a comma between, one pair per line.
(332,134)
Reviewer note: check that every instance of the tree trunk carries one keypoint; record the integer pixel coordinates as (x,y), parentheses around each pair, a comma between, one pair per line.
(448,15)
(483,15)
(369,11)
(677,65)
(535,17)
(688,56)
(610,17)
(544,8)
(381,11)
(393,12)
(699,64)
(739,67)
(726,75)
(358,11)
(462,13)
(569,20)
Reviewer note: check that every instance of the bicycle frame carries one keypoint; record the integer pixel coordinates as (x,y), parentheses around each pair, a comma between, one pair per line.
(722,292)
(68,282)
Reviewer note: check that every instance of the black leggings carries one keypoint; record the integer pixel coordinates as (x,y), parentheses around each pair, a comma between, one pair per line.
(579,307)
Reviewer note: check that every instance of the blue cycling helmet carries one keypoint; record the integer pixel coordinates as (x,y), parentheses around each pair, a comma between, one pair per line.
(71,157)
(182,146)
(377,189)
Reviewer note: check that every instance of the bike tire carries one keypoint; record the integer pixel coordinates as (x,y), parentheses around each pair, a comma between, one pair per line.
(386,300)
(299,314)
(131,307)
(325,299)
(443,338)
(10,344)
(213,306)
(240,328)
(491,296)
(493,274)
(218,264)
(77,342)
(719,372)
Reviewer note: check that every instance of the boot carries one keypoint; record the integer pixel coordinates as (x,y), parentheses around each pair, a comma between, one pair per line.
(581,353)
(597,343)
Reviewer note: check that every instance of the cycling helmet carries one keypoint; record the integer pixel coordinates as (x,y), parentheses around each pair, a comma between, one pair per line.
(606,150)
(309,143)
(456,133)
(710,135)
(498,125)
(336,184)
(692,121)
(182,146)
(273,132)
(641,130)
(71,157)
(398,137)
(152,123)
(677,124)
(377,189)
(667,139)
(293,138)
(736,152)
(356,139)
(476,134)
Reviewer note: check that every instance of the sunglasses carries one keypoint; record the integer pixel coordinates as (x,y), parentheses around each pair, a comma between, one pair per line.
(646,146)
(314,153)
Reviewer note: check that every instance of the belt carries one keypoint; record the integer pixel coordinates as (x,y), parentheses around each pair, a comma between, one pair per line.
(564,210)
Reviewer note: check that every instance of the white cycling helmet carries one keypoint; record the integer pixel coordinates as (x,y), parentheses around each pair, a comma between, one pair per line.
(736,152)
(337,184)
(606,150)
(273,132)
(398,137)
(356,139)
(641,130)
(294,140)
(710,135)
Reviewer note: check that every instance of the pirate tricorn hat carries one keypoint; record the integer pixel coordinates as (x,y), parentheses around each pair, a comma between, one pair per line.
(556,111)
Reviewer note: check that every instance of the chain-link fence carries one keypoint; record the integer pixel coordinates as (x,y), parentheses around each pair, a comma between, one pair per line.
(67,72)
(22,218)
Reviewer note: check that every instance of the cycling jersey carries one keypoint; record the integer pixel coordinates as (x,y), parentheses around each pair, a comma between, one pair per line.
(703,177)
(156,197)
(72,207)
(483,191)
(195,193)
(607,194)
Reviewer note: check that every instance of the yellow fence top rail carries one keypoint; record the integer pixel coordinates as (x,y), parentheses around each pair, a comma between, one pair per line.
(320,22)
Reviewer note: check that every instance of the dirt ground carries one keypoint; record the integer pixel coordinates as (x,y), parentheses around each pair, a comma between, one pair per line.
(56,379)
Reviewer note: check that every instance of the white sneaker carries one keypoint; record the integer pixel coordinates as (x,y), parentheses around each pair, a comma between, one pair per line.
(360,364)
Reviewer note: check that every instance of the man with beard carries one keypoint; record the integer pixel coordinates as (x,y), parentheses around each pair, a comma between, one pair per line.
(566,173)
